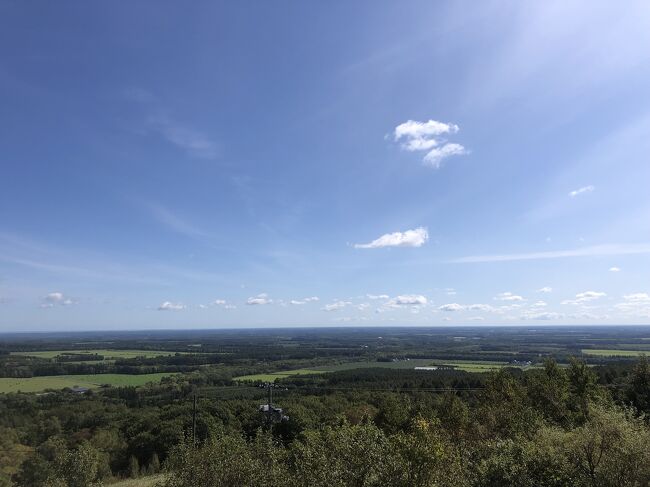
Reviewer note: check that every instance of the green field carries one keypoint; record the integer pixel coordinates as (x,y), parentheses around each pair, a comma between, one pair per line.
(615,352)
(106,353)
(39,384)
(465,365)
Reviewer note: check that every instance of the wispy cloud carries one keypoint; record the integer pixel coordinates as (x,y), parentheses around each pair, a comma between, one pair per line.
(593,251)
(451,307)
(193,142)
(545,290)
(585,297)
(430,137)
(614,269)
(508,296)
(583,190)
(335,306)
(409,238)
(260,299)
(56,299)
(169,306)
(174,222)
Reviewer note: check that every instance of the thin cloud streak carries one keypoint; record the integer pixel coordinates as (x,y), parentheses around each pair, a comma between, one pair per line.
(594,251)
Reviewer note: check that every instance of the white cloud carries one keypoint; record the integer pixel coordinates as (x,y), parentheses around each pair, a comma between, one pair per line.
(436,155)
(363,306)
(508,296)
(451,307)
(481,307)
(408,299)
(429,136)
(539,304)
(546,316)
(637,298)
(476,318)
(56,299)
(304,301)
(595,251)
(409,238)
(585,189)
(219,302)
(169,306)
(262,298)
(585,297)
(589,295)
(614,269)
(545,289)
(335,306)
(377,296)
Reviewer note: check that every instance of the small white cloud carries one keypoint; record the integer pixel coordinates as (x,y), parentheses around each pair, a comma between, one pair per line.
(297,302)
(56,299)
(508,296)
(545,290)
(481,307)
(584,297)
(260,299)
(363,306)
(585,189)
(637,298)
(436,155)
(539,304)
(408,299)
(409,238)
(476,318)
(546,316)
(169,306)
(614,269)
(219,302)
(451,307)
(377,296)
(429,136)
(335,306)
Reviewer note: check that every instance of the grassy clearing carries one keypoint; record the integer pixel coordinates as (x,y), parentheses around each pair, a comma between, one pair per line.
(277,375)
(615,352)
(39,384)
(107,354)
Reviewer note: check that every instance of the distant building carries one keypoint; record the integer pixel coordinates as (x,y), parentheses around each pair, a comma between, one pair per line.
(427,368)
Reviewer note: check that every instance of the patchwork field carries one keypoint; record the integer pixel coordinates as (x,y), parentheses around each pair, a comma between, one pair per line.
(106,353)
(39,384)
(615,353)
(465,365)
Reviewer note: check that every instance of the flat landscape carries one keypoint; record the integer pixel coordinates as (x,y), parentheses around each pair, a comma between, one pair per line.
(615,353)
(106,353)
(58,382)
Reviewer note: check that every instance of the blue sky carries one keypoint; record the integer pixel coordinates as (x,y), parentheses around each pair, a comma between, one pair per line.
(224,164)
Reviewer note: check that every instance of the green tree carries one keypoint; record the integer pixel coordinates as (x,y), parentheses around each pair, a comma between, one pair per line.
(638,390)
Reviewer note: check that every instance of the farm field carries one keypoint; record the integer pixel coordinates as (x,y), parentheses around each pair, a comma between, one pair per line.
(615,352)
(39,384)
(106,353)
(464,365)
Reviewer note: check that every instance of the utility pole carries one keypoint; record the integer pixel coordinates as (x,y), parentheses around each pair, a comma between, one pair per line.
(194,422)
